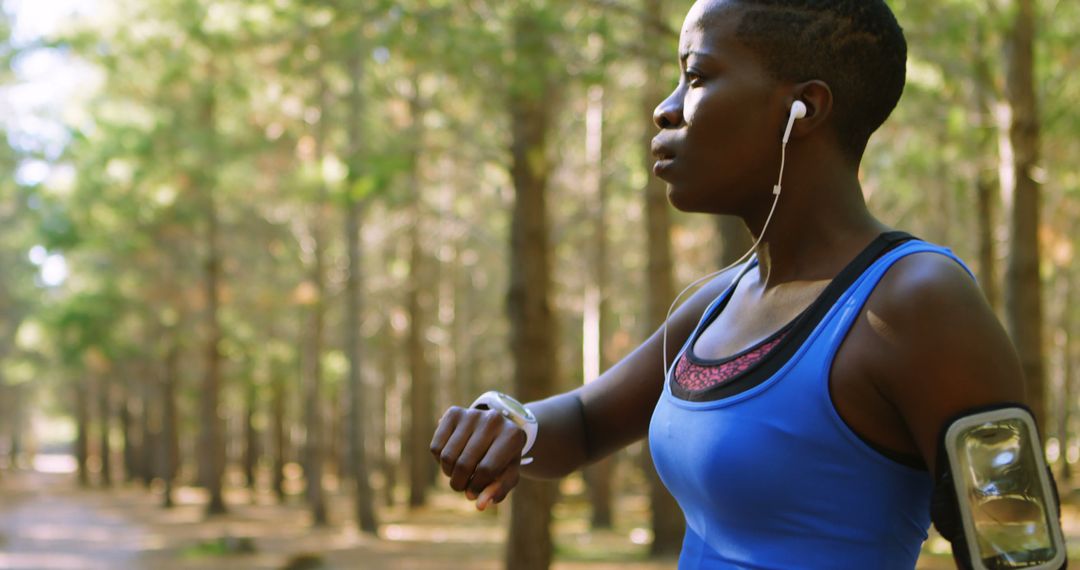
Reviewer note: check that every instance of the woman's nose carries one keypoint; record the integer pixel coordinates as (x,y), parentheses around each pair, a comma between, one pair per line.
(668,114)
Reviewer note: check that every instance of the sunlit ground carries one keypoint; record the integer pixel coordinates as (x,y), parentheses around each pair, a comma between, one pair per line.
(46,523)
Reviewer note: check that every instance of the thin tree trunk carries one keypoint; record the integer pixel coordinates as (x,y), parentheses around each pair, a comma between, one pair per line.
(533,329)
(336,410)
(82,432)
(1071,360)
(986,177)
(1064,399)
(389,436)
(126,430)
(211,440)
(421,406)
(104,421)
(18,418)
(358,455)
(1023,288)
(985,196)
(277,427)
(149,427)
(421,402)
(251,437)
(5,400)
(598,475)
(667,519)
(169,450)
(313,420)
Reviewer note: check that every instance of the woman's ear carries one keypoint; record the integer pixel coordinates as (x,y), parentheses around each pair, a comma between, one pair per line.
(819,102)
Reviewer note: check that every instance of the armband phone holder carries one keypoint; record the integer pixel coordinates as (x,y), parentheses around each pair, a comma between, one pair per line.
(1007,502)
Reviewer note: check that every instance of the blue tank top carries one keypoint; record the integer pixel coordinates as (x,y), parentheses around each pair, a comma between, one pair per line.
(773,478)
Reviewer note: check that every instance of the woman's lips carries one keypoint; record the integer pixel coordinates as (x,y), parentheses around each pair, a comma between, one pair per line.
(662,165)
(664,154)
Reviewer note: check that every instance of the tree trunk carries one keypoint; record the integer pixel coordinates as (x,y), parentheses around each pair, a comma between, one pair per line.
(18,418)
(667,519)
(149,427)
(313,420)
(421,405)
(104,417)
(596,328)
(82,432)
(169,450)
(1023,288)
(5,400)
(358,455)
(984,192)
(126,431)
(277,426)
(1062,344)
(986,177)
(211,439)
(533,327)
(389,436)
(251,437)
(1069,357)
(421,402)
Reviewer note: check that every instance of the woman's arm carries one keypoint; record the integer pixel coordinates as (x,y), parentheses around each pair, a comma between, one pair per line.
(476,448)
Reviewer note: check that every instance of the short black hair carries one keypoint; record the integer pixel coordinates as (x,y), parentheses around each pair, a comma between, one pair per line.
(855,46)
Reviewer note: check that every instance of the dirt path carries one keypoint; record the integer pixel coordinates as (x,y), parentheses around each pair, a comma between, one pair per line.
(43,527)
(47,523)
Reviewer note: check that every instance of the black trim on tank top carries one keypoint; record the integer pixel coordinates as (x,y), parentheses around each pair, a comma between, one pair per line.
(719,361)
(798,331)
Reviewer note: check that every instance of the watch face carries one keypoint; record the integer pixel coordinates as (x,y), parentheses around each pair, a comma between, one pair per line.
(515,407)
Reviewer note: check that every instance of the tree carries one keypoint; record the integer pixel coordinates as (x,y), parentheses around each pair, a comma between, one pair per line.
(358,456)
(667,519)
(1023,285)
(531,106)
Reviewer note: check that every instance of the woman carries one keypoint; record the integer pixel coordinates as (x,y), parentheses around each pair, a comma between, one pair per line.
(799,424)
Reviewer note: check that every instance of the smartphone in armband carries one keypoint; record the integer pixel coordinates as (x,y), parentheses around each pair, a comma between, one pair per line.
(1008,506)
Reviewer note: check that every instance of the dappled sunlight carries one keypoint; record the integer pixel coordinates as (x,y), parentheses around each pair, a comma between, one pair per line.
(52,561)
(424,533)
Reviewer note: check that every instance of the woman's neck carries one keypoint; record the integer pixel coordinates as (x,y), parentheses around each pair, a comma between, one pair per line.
(815,231)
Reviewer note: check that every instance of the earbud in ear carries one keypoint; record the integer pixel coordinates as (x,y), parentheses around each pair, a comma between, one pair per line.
(798,111)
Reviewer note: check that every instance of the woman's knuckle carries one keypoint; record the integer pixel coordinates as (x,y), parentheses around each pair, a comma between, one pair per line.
(484,471)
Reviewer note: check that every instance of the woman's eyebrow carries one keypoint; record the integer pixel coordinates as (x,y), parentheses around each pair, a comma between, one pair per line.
(686,55)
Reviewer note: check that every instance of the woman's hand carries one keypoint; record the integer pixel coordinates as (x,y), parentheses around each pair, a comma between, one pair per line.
(480,450)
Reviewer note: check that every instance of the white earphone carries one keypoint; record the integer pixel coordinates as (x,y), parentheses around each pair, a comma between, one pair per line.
(798,111)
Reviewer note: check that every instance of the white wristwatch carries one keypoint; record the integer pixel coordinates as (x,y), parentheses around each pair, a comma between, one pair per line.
(516,412)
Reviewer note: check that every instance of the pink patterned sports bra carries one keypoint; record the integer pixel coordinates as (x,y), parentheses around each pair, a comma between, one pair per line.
(696,375)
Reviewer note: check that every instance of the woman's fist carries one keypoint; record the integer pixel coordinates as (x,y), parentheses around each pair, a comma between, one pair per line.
(480,450)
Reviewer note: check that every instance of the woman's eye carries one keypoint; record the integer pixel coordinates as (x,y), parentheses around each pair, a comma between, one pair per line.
(692,78)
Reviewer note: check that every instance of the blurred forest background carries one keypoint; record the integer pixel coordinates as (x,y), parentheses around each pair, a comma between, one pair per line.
(262,245)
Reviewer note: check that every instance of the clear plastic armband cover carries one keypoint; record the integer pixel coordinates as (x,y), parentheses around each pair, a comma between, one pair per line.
(1008,506)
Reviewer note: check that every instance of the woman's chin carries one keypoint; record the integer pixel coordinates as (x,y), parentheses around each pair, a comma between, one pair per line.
(686,200)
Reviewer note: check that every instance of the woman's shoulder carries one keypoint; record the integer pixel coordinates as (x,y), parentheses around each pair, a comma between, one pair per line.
(928,298)
(938,338)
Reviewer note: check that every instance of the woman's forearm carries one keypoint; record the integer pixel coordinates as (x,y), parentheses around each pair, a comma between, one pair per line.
(561,442)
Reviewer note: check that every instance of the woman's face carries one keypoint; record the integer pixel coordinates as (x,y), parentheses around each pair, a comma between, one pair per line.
(719,144)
